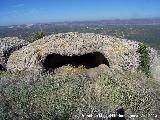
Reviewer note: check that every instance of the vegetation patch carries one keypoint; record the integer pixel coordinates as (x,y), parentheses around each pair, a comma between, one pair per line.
(35,36)
(64,97)
(144,64)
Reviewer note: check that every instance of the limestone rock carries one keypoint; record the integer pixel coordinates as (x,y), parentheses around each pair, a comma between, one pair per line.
(120,53)
(7,46)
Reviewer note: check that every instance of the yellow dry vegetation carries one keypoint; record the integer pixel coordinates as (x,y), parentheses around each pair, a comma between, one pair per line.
(69,70)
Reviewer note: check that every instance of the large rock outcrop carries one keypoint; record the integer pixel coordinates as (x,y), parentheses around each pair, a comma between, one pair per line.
(86,49)
(7,46)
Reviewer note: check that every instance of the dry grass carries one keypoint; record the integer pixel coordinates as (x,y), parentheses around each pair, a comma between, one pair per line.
(70,70)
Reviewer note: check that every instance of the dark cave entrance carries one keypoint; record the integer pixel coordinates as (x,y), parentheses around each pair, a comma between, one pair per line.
(2,68)
(90,60)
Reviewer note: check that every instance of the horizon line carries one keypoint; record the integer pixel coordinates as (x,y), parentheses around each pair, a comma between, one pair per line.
(89,20)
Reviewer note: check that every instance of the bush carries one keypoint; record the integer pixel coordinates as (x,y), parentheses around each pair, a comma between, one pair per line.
(36,35)
(63,97)
(144,64)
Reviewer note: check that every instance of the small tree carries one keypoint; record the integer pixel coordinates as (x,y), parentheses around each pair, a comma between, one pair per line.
(144,64)
(36,35)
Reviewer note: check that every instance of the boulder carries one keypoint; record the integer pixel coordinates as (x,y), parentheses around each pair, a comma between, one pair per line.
(87,49)
(7,46)
(155,64)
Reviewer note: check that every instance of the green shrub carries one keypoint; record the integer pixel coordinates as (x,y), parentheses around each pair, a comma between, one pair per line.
(36,35)
(144,64)
(64,97)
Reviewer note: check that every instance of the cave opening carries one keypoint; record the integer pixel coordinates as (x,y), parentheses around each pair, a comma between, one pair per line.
(2,68)
(90,60)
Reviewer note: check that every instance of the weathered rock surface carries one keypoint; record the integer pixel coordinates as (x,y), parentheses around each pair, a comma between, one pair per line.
(155,63)
(7,46)
(120,53)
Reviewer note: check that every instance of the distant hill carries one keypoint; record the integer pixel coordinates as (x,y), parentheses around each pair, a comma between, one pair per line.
(146,30)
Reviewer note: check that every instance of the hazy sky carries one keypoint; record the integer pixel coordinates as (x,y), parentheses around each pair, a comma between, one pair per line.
(33,11)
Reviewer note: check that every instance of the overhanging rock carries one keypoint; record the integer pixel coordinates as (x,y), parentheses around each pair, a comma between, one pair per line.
(74,48)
